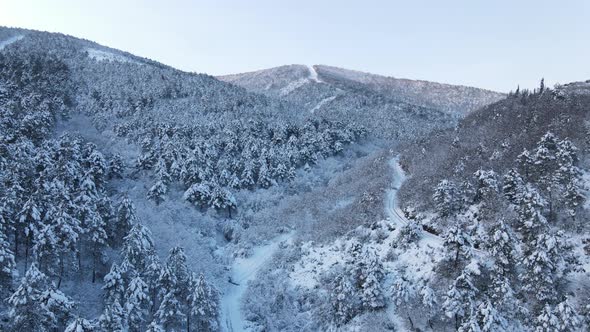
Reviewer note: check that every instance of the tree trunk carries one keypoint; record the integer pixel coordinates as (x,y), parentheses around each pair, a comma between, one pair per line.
(61,272)
(27,253)
(188,321)
(15,244)
(94,264)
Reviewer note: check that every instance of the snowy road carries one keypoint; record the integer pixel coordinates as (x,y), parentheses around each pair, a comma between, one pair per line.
(392,209)
(243,271)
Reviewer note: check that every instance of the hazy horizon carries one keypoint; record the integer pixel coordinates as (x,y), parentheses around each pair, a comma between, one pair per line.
(496,46)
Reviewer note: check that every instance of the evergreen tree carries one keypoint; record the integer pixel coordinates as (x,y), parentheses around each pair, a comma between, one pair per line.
(126,216)
(137,304)
(457,245)
(371,275)
(138,247)
(203,305)
(525,163)
(112,318)
(114,285)
(116,167)
(460,300)
(445,198)
(343,300)
(7,263)
(36,305)
(568,318)
(176,264)
(80,325)
(513,185)
(157,192)
(169,314)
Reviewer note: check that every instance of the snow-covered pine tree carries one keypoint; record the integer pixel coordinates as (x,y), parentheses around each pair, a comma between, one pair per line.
(457,245)
(7,263)
(157,192)
(126,217)
(370,278)
(170,314)
(138,247)
(486,185)
(116,167)
(343,300)
(114,285)
(202,305)
(36,305)
(445,198)
(113,318)
(512,186)
(460,300)
(80,325)
(137,304)
(568,318)
(485,319)
(525,163)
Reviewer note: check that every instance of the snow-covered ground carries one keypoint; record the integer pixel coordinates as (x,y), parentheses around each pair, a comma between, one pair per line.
(101,55)
(417,260)
(313,74)
(9,41)
(244,270)
(322,103)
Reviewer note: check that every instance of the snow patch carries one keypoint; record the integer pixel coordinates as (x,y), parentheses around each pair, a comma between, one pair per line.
(322,103)
(9,41)
(313,74)
(101,55)
(293,86)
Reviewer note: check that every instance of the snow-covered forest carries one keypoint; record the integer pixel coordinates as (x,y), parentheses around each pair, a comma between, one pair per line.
(138,197)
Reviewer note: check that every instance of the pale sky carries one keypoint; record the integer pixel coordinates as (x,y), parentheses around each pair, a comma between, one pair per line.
(489,44)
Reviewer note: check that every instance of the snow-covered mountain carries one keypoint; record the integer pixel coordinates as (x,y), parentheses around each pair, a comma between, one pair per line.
(138,197)
(294,82)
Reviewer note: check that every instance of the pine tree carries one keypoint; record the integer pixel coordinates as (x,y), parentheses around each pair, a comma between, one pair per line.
(568,318)
(457,245)
(36,305)
(445,198)
(137,304)
(513,185)
(157,192)
(500,243)
(369,280)
(525,163)
(30,217)
(126,216)
(343,300)
(176,264)
(487,185)
(138,247)
(116,167)
(203,304)
(112,318)
(547,321)
(7,263)
(151,275)
(546,261)
(114,285)
(169,314)
(460,300)
(80,325)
